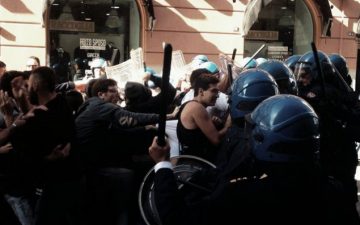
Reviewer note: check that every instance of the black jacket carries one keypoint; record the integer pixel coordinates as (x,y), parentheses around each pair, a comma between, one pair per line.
(103,128)
(284,199)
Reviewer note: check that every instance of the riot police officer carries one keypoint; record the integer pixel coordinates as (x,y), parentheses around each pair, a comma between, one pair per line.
(340,64)
(291,61)
(282,74)
(284,142)
(250,88)
(339,118)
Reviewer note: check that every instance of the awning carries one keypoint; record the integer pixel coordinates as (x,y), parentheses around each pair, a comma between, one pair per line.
(327,19)
(254,7)
(252,11)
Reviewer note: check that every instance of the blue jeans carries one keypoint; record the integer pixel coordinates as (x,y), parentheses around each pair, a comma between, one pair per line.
(22,208)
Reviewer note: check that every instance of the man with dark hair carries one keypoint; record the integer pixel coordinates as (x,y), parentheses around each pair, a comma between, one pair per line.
(196,131)
(88,88)
(218,111)
(44,159)
(139,98)
(103,86)
(100,117)
(108,136)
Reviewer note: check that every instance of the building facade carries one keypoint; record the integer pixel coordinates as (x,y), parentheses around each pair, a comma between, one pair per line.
(86,28)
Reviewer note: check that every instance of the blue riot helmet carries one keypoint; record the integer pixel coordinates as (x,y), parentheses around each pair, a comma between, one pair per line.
(285,130)
(202,58)
(306,65)
(248,63)
(291,61)
(282,74)
(340,64)
(97,66)
(260,60)
(152,72)
(198,60)
(98,63)
(249,89)
(210,66)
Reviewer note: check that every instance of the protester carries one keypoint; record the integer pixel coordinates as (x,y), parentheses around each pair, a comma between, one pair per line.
(44,158)
(196,131)
(108,136)
(32,63)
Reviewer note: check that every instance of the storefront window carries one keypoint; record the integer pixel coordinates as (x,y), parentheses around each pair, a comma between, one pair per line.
(285,26)
(81,31)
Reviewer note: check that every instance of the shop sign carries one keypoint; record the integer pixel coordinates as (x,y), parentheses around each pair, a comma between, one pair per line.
(278,52)
(93,55)
(262,35)
(92,43)
(278,48)
(70,25)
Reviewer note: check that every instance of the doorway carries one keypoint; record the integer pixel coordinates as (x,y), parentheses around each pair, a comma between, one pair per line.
(85,30)
(285,26)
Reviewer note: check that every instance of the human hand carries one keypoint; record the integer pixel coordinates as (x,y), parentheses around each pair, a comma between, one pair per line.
(19,87)
(21,119)
(217,121)
(175,111)
(6,104)
(6,148)
(173,115)
(31,111)
(59,152)
(151,127)
(146,76)
(159,153)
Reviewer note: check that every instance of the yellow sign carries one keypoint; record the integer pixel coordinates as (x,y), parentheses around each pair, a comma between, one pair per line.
(71,25)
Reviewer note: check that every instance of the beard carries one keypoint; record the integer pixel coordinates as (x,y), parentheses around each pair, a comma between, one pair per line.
(33,98)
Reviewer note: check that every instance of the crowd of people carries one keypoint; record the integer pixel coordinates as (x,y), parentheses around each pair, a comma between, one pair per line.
(282,136)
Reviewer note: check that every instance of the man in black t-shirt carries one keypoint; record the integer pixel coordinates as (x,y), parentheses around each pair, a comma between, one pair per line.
(44,159)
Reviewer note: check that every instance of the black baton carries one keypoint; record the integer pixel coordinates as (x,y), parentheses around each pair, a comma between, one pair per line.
(164,93)
(229,66)
(319,68)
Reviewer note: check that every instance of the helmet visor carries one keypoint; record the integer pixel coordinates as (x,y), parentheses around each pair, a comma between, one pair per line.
(302,70)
